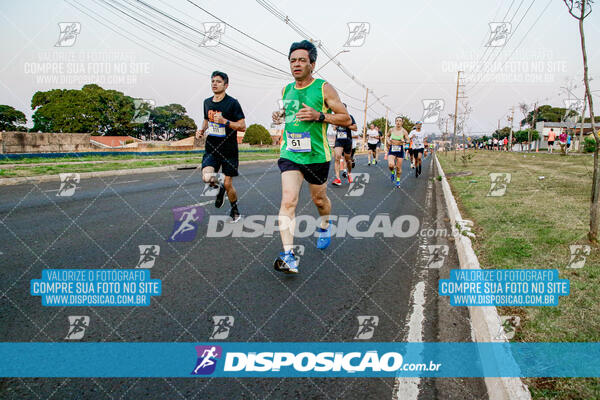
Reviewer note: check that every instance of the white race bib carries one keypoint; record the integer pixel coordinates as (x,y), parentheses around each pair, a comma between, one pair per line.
(215,129)
(298,142)
(396,148)
(342,135)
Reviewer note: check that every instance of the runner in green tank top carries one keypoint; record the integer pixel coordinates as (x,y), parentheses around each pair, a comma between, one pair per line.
(305,152)
(397,136)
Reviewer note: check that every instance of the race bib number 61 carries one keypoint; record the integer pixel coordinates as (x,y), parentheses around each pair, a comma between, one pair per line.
(298,142)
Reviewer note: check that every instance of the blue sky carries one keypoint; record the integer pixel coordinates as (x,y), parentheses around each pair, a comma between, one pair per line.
(411,53)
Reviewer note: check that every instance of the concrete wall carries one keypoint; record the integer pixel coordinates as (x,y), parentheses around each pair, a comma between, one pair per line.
(25,142)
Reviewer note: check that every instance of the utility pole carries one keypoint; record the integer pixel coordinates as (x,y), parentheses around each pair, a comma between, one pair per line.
(456,112)
(512,117)
(532,125)
(386,130)
(445,135)
(365,124)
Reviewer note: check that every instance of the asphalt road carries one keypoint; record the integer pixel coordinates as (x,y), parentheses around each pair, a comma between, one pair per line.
(102,224)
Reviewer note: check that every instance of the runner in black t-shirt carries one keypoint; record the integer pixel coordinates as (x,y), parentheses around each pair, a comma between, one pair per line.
(223,117)
(343,147)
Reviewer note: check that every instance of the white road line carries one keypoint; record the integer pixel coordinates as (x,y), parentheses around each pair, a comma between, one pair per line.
(408,388)
(204,203)
(137,180)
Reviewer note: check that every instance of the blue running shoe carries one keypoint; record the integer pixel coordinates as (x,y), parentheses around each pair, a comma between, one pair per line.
(393,176)
(324,238)
(286,262)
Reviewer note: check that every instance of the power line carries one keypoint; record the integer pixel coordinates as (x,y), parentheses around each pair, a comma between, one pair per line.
(508,39)
(177,40)
(237,30)
(303,32)
(500,49)
(524,36)
(221,42)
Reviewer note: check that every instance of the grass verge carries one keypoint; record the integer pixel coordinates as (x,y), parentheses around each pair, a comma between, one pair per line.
(123,163)
(544,211)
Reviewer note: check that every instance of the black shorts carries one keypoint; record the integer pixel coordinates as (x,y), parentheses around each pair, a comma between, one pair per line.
(315,174)
(372,146)
(396,153)
(550,142)
(345,143)
(417,151)
(215,160)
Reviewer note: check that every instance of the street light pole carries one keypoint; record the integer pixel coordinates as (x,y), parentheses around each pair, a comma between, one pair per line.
(339,52)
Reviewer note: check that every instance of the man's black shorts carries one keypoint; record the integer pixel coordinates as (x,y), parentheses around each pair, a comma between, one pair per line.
(345,143)
(417,151)
(215,160)
(315,174)
(372,146)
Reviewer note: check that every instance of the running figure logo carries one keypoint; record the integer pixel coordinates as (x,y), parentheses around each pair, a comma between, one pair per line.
(500,183)
(210,191)
(436,255)
(77,326)
(148,254)
(499,34)
(68,34)
(357,33)
(289,108)
(207,359)
(212,34)
(187,220)
(142,109)
(68,184)
(579,254)
(223,324)
(432,109)
(358,185)
(366,326)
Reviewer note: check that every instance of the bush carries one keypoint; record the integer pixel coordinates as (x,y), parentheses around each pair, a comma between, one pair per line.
(589,144)
(257,134)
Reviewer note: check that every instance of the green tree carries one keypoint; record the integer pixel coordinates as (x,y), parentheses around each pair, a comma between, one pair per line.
(171,122)
(89,110)
(11,119)
(549,114)
(380,123)
(501,133)
(257,134)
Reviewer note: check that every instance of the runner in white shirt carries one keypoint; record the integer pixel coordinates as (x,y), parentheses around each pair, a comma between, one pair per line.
(418,139)
(372,141)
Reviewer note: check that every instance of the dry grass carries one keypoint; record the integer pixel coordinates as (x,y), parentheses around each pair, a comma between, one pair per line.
(532,226)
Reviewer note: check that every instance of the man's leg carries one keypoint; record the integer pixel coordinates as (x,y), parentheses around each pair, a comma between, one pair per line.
(209,176)
(291,182)
(337,153)
(348,159)
(318,194)
(231,193)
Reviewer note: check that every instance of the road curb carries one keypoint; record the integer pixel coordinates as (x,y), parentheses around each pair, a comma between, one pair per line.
(485,321)
(96,174)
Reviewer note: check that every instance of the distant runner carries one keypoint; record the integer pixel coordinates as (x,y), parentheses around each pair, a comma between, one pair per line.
(418,140)
(397,136)
(372,142)
(343,146)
